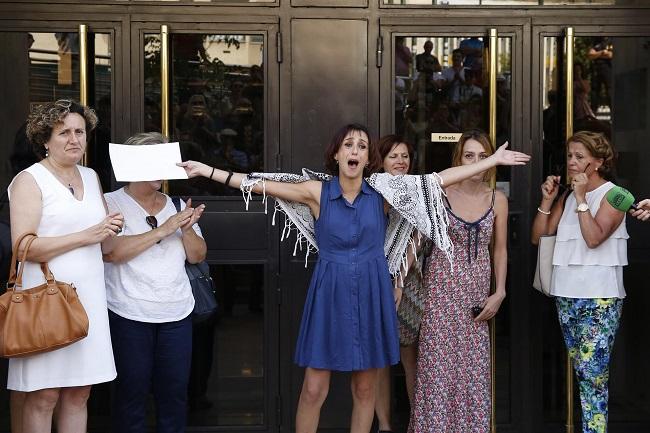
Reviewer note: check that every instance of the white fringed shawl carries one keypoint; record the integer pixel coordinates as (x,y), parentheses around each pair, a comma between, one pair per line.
(416,203)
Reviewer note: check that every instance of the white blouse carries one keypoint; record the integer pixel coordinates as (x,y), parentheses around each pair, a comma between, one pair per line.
(583,272)
(153,286)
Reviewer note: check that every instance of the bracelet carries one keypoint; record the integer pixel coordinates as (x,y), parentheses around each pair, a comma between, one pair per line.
(539,209)
(211,173)
(228,178)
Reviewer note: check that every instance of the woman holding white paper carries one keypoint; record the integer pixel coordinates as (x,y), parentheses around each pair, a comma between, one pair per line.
(150,302)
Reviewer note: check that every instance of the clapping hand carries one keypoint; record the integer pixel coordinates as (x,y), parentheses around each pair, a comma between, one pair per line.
(195,216)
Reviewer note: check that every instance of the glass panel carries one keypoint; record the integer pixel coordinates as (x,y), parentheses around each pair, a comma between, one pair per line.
(100,47)
(554,155)
(615,72)
(217,99)
(45,67)
(227,378)
(440,92)
(610,96)
(441,89)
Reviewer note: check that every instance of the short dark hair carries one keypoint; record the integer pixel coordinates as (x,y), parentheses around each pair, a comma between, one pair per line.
(44,117)
(335,144)
(388,143)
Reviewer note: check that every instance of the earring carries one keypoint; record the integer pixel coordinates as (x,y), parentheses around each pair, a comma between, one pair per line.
(337,161)
(47,152)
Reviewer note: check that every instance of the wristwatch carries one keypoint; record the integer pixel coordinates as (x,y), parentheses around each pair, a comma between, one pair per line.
(582,207)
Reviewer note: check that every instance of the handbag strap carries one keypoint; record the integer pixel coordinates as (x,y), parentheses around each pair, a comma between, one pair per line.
(14,256)
(17,279)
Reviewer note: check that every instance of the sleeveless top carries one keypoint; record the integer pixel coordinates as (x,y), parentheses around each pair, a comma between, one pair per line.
(583,272)
(88,361)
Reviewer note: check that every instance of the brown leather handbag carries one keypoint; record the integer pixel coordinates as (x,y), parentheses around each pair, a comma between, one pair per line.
(38,319)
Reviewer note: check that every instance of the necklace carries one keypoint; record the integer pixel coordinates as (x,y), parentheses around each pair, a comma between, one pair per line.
(61,178)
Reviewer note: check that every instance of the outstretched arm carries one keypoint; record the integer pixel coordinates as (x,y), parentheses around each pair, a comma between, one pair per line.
(307,192)
(642,211)
(502,156)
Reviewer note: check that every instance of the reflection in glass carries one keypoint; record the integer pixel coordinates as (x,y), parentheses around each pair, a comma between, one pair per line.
(610,96)
(227,377)
(438,89)
(441,88)
(100,82)
(217,99)
(44,67)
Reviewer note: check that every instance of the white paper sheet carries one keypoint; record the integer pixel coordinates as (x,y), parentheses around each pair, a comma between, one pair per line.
(146,162)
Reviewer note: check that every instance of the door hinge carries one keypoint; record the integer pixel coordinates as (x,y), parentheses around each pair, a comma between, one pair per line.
(278,46)
(278,410)
(380,51)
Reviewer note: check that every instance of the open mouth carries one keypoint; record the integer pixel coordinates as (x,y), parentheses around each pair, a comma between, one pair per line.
(353,163)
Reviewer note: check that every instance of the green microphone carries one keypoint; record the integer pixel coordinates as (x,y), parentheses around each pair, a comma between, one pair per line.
(620,199)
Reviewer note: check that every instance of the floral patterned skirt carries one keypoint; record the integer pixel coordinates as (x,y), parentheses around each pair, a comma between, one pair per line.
(589,327)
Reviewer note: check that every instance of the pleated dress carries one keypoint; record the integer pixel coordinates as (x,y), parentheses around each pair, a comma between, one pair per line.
(349,321)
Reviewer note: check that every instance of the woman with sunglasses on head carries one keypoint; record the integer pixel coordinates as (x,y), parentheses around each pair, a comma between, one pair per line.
(452,386)
(61,201)
(588,259)
(349,321)
(150,302)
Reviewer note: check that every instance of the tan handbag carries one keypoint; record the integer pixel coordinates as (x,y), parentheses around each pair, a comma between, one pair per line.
(544,268)
(39,319)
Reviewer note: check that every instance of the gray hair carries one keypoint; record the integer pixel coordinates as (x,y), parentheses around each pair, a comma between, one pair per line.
(146,138)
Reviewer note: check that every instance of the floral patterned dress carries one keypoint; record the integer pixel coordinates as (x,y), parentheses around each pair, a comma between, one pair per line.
(452,388)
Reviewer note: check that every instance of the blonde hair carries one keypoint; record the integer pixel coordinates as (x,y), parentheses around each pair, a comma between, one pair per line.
(146,138)
(481,137)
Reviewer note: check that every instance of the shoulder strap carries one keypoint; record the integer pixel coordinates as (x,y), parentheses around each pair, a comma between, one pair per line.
(494,193)
(177,203)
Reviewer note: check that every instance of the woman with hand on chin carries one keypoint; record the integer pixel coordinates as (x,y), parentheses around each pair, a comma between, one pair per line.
(590,252)
(61,201)
(349,321)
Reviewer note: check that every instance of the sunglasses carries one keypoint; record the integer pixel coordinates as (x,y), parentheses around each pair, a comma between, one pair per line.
(152,222)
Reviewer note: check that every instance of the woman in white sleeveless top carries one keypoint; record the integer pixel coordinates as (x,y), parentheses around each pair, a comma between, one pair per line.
(590,252)
(62,202)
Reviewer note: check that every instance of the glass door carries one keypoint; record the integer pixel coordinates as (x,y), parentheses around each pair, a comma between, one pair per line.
(609,80)
(222,97)
(436,82)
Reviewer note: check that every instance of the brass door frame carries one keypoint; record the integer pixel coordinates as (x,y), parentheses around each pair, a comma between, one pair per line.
(571,28)
(225,254)
(518,30)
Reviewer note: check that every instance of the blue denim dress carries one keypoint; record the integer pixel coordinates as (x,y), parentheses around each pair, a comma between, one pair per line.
(349,321)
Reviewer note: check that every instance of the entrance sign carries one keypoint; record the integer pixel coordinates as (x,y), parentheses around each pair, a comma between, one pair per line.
(445,137)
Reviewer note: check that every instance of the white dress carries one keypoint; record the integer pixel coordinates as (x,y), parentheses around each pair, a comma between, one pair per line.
(90,360)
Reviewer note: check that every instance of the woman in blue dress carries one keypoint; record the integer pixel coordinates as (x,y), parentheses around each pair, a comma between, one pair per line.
(349,321)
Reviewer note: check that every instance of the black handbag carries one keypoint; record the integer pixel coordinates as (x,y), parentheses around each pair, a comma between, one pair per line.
(205,301)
